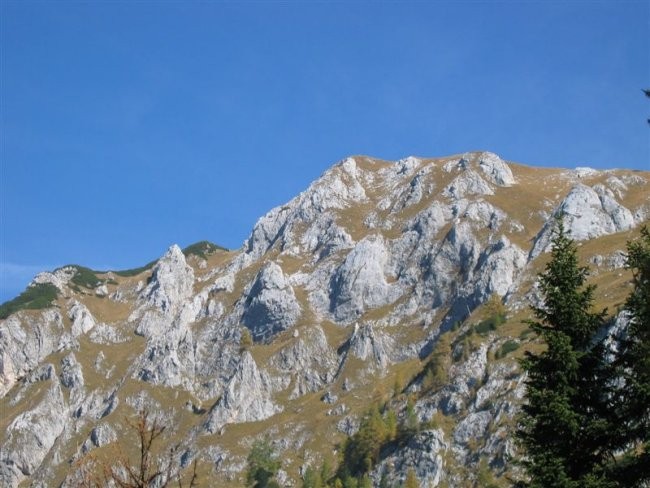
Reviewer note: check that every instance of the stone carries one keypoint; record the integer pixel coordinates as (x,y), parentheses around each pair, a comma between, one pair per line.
(424,454)
(29,436)
(171,283)
(496,170)
(360,283)
(587,215)
(468,183)
(71,372)
(271,304)
(371,346)
(247,398)
(101,291)
(309,360)
(366,269)
(474,426)
(26,340)
(82,319)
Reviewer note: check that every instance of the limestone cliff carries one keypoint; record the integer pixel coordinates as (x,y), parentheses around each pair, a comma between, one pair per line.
(370,286)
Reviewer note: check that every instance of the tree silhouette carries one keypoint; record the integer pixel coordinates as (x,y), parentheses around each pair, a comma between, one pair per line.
(263,465)
(561,427)
(631,432)
(148,470)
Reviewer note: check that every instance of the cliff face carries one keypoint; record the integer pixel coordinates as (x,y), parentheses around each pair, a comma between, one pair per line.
(347,292)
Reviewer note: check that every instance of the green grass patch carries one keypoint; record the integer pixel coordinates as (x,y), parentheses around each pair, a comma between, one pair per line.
(126,273)
(506,348)
(488,325)
(85,277)
(202,249)
(526,334)
(35,297)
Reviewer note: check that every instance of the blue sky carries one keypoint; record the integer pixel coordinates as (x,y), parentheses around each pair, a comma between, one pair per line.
(129,126)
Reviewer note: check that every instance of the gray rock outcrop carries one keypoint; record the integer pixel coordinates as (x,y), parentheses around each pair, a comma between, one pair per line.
(496,170)
(171,283)
(360,282)
(310,361)
(371,346)
(424,454)
(81,318)
(337,188)
(25,341)
(343,289)
(588,214)
(29,437)
(271,304)
(247,398)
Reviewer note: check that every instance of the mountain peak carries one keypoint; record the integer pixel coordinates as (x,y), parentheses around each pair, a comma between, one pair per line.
(405,283)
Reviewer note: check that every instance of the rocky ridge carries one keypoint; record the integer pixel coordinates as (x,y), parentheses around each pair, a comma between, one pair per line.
(346,291)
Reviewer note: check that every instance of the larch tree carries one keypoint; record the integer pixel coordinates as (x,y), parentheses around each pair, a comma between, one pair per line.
(263,465)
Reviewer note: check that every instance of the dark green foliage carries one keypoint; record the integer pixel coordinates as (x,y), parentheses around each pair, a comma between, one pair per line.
(461,352)
(488,325)
(383,482)
(365,482)
(563,426)
(35,297)
(202,249)
(391,424)
(526,333)
(484,477)
(506,348)
(262,465)
(434,374)
(326,471)
(349,482)
(85,277)
(633,366)
(312,479)
(411,422)
(361,452)
(379,432)
(496,315)
(136,271)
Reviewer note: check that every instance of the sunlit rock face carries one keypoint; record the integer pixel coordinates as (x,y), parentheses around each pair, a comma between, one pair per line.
(247,398)
(271,304)
(368,286)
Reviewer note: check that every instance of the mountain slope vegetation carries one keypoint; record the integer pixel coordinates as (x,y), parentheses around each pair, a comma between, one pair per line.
(384,307)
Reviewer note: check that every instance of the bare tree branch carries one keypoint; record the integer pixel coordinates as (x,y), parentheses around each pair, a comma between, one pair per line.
(147,471)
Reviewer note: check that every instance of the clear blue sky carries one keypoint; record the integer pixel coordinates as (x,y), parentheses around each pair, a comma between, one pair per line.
(129,126)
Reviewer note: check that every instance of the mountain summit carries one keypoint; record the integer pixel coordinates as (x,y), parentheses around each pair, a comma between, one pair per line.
(402,284)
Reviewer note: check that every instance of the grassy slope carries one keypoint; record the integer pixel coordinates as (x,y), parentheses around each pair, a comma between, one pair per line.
(522,202)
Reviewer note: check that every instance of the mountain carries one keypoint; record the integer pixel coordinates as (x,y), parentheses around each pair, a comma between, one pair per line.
(404,283)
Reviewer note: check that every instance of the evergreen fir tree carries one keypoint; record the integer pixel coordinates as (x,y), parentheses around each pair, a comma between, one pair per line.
(361,451)
(311,479)
(562,427)
(633,363)
(262,465)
